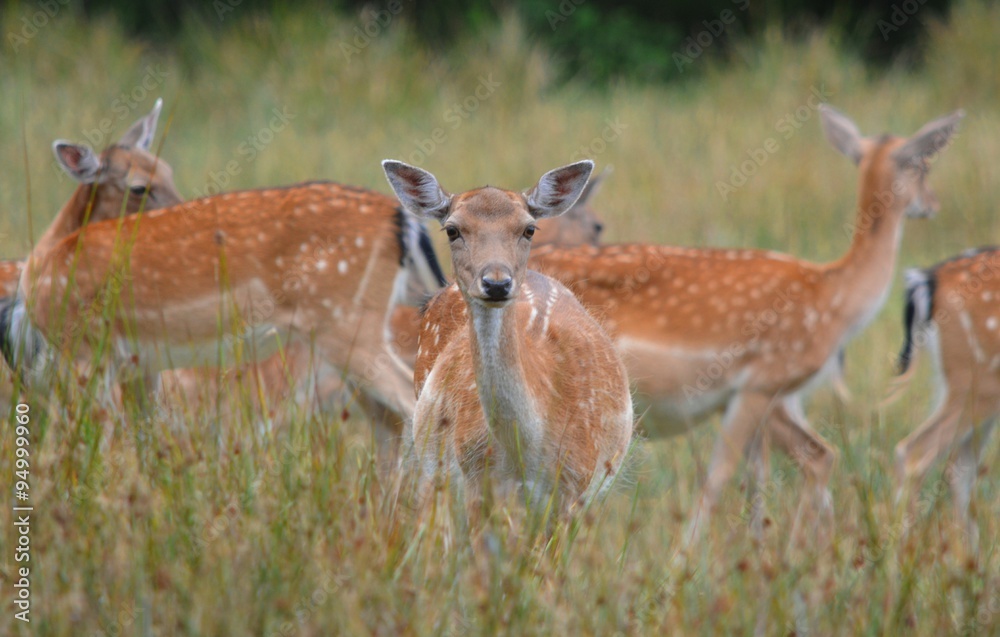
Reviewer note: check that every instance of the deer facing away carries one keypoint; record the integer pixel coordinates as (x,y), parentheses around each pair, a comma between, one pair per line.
(952,309)
(749,332)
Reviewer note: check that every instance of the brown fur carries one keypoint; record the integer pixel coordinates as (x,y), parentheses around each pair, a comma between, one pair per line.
(748,330)
(10,276)
(315,259)
(964,326)
(530,385)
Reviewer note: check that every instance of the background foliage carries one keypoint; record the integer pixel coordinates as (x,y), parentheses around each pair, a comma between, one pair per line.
(604,40)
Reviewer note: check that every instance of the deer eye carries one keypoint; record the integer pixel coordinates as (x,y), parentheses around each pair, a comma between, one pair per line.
(137,190)
(452,232)
(529,232)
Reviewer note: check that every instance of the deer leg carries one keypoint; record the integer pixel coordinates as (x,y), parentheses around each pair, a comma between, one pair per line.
(840,387)
(759,465)
(747,411)
(962,479)
(139,392)
(385,381)
(387,427)
(389,381)
(917,452)
(815,457)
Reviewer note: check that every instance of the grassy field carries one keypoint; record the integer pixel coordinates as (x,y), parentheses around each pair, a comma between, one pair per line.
(162,529)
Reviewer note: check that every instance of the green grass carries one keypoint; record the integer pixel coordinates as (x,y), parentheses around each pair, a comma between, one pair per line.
(205,527)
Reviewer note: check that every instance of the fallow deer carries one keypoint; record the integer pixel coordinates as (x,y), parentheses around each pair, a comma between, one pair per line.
(750,331)
(123,179)
(316,263)
(509,364)
(952,308)
(578,226)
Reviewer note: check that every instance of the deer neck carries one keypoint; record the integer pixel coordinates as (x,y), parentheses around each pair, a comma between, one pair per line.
(69,220)
(864,275)
(500,378)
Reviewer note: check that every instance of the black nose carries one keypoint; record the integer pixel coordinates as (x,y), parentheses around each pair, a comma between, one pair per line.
(598,228)
(497,290)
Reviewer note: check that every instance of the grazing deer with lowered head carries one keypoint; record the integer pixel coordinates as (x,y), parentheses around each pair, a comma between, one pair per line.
(954,309)
(749,332)
(515,374)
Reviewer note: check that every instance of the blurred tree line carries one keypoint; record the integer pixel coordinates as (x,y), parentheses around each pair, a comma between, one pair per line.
(596,40)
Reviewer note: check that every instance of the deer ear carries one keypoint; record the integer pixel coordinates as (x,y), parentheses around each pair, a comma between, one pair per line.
(78,160)
(142,132)
(841,132)
(417,190)
(929,140)
(593,186)
(558,189)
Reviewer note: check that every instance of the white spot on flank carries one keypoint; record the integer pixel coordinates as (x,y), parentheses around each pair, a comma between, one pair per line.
(320,265)
(530,297)
(977,351)
(360,242)
(991,323)
(342,267)
(549,304)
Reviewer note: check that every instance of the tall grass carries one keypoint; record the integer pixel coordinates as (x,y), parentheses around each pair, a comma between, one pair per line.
(161,529)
